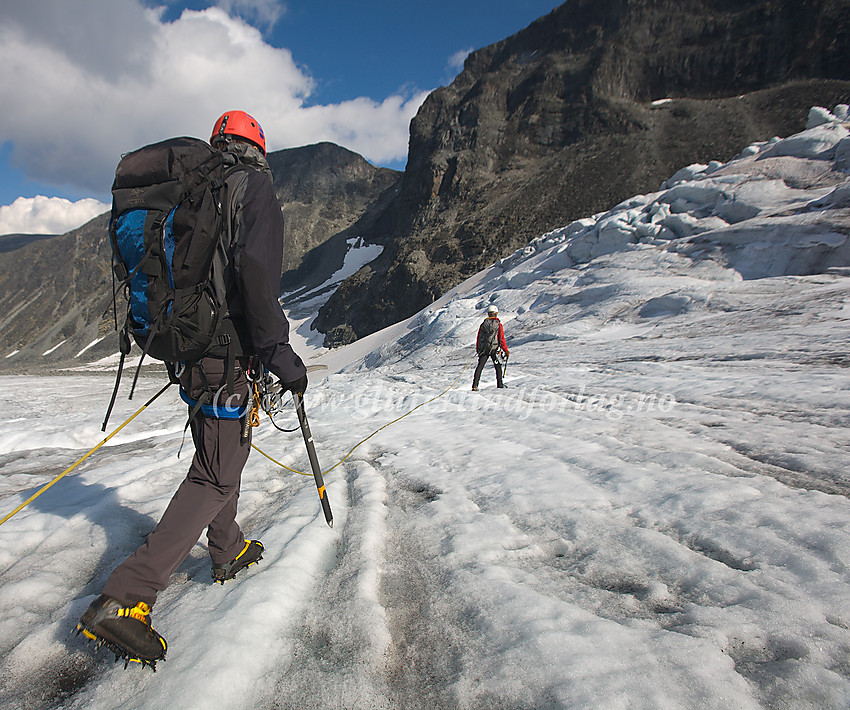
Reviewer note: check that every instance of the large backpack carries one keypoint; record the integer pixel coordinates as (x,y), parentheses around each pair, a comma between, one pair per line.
(170,241)
(489,336)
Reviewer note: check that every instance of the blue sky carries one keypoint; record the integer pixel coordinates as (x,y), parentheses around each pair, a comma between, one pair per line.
(85,81)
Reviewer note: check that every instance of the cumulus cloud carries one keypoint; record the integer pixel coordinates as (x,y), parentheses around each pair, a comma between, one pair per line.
(47,215)
(85,82)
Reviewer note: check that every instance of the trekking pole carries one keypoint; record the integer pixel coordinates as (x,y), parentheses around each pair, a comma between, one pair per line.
(505,368)
(79,461)
(298,398)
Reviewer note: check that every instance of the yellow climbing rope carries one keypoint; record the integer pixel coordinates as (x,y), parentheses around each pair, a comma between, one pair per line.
(83,458)
(282,465)
(363,441)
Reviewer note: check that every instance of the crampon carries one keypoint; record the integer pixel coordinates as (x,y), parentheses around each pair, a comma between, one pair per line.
(121,654)
(250,555)
(123,630)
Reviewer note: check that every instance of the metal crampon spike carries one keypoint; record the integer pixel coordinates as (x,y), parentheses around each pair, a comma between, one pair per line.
(120,653)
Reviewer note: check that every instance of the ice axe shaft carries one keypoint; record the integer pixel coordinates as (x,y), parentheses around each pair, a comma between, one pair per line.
(298,398)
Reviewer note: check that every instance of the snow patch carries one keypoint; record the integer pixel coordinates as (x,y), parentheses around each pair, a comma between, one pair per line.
(55,347)
(90,345)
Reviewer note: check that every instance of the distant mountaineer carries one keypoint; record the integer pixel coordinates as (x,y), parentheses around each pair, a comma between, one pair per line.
(490,344)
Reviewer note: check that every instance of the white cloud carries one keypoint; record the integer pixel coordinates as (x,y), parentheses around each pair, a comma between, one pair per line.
(47,215)
(77,96)
(375,130)
(264,12)
(458,58)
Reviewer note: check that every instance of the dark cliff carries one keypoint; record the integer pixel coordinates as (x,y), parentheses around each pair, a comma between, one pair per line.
(322,189)
(558,122)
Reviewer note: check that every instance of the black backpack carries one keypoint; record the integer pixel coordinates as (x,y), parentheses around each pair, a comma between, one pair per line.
(170,241)
(490,336)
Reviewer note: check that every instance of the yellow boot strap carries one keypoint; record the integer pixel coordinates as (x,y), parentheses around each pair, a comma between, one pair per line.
(139,612)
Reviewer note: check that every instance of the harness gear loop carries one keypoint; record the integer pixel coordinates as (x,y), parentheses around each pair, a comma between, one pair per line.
(254,413)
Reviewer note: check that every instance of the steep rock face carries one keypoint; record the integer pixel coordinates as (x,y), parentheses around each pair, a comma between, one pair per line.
(322,189)
(558,122)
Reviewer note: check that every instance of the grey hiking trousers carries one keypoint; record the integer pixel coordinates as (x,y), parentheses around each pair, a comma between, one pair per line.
(479,368)
(207,497)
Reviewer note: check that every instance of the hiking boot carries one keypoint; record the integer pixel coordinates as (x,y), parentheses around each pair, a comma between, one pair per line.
(124,630)
(251,554)
(474,389)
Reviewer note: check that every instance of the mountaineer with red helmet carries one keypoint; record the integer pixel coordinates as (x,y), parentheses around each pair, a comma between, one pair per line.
(240,126)
(208,496)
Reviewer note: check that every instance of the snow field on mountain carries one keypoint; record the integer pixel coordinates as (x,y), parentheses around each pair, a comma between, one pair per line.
(654,513)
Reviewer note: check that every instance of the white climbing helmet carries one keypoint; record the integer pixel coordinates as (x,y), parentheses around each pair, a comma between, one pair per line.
(492,311)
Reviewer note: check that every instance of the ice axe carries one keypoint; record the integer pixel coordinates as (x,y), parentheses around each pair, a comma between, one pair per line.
(298,398)
(503,360)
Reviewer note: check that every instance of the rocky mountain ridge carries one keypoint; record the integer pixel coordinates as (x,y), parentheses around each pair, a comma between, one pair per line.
(321,188)
(597,101)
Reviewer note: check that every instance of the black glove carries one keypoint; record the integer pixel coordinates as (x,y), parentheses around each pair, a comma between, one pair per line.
(298,386)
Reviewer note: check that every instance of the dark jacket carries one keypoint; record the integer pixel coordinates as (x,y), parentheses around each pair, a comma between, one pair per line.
(254,285)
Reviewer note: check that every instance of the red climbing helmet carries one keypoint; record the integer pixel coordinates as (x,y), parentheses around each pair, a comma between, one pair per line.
(239,123)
